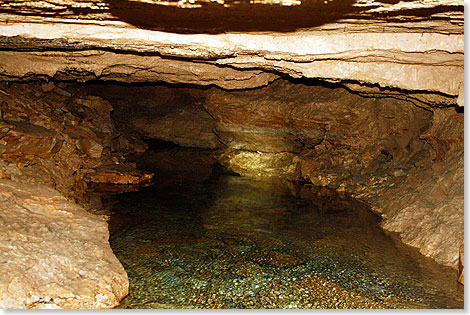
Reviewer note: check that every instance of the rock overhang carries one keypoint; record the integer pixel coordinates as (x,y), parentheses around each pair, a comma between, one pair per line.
(412,46)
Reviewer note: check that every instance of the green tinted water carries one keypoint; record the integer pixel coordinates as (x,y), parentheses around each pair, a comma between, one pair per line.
(232,242)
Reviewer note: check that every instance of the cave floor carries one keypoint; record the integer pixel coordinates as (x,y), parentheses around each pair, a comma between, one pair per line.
(231,242)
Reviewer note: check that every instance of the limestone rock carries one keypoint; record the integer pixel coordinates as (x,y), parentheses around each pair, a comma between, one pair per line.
(49,138)
(431,218)
(117,174)
(412,51)
(22,138)
(402,159)
(445,133)
(189,127)
(90,148)
(47,87)
(53,253)
(417,46)
(331,126)
(261,164)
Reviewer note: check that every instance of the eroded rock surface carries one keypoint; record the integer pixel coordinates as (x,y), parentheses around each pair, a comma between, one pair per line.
(56,135)
(54,254)
(286,128)
(427,207)
(405,160)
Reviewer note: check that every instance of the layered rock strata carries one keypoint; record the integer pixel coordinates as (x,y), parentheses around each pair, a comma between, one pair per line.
(396,53)
(414,46)
(62,138)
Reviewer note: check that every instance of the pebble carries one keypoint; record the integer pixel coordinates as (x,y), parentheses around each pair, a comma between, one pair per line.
(277,259)
(400,173)
(308,260)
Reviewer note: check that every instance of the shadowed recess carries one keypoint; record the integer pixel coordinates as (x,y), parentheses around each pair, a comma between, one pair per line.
(248,17)
(244,17)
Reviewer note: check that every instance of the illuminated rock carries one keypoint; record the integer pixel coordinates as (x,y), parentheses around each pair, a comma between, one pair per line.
(53,253)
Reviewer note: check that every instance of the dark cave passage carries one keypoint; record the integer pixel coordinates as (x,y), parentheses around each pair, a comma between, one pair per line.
(200,237)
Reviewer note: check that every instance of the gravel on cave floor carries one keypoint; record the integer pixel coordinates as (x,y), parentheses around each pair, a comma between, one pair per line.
(232,242)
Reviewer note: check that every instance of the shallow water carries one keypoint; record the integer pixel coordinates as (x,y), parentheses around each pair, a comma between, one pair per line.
(232,242)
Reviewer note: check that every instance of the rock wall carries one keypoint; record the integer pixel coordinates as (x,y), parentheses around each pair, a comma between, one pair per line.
(53,253)
(61,137)
(397,54)
(427,208)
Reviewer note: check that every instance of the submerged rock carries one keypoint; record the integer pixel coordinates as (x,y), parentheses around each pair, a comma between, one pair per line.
(53,254)
(277,259)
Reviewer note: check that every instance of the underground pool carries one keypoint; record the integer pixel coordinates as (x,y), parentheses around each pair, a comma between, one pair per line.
(212,239)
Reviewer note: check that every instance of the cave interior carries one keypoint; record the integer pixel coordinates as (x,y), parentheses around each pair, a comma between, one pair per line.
(226,132)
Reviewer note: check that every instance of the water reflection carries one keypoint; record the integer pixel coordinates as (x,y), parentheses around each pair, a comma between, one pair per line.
(232,242)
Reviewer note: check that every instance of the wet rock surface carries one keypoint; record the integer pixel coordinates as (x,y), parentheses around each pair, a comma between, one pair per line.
(232,242)
(117,174)
(326,126)
(53,253)
(287,129)
(60,136)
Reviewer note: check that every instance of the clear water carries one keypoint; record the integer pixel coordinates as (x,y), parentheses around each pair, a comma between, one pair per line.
(233,242)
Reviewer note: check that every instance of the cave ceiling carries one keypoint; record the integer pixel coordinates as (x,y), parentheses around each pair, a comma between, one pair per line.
(411,46)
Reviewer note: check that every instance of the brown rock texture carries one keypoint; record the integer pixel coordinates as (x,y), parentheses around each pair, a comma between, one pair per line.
(22,138)
(327,127)
(392,143)
(461,264)
(161,112)
(53,254)
(117,174)
(427,207)
(414,46)
(56,135)
(287,128)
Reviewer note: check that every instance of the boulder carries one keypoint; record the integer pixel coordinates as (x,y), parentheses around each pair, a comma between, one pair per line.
(53,253)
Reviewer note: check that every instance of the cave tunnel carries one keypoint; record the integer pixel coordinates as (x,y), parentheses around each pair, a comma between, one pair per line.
(191,155)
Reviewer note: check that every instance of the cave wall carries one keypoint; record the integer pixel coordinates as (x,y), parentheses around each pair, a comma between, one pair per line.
(58,136)
(54,254)
(320,127)
(56,143)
